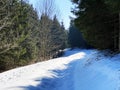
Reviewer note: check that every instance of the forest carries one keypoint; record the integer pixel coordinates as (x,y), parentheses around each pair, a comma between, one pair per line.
(99,22)
(27,37)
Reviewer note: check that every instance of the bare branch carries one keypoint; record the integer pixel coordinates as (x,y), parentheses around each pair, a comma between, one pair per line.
(48,8)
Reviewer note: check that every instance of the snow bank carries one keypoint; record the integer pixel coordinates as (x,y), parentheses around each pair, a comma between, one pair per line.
(97,72)
(32,75)
(76,70)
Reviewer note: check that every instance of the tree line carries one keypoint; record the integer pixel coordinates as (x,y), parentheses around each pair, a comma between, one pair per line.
(99,22)
(26,37)
(75,38)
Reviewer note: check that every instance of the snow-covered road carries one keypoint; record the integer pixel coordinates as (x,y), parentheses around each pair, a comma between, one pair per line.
(76,70)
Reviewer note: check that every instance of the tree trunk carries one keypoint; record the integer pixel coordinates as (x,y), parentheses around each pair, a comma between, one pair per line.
(115,35)
(119,32)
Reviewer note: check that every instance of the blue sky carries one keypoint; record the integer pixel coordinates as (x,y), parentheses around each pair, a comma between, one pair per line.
(65,10)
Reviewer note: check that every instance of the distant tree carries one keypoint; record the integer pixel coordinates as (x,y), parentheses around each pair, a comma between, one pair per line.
(44,37)
(64,35)
(75,38)
(47,9)
(55,35)
(58,36)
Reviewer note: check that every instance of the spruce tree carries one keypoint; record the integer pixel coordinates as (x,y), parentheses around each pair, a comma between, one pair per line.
(92,17)
(75,38)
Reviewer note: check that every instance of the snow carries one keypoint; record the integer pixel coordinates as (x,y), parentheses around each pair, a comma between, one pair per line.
(77,70)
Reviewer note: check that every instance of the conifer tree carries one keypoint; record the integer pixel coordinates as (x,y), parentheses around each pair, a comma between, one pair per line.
(92,17)
(75,38)
(16,36)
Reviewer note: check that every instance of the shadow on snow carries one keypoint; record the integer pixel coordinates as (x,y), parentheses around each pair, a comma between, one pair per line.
(63,81)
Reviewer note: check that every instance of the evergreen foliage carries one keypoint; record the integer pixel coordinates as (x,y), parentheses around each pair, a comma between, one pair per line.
(75,38)
(96,20)
(24,37)
(52,37)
